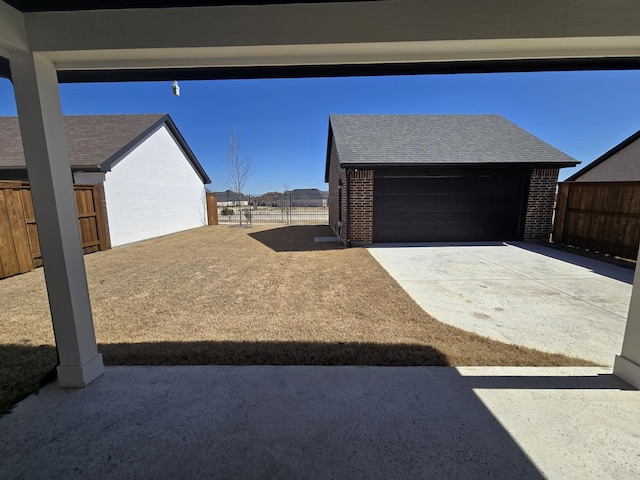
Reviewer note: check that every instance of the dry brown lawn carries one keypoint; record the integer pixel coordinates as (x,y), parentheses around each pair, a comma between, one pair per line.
(229,295)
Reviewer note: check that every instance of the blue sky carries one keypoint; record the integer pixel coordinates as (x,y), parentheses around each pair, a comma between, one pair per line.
(282,124)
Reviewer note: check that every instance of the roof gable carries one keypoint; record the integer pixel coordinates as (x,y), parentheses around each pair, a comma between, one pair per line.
(95,142)
(377,140)
(606,156)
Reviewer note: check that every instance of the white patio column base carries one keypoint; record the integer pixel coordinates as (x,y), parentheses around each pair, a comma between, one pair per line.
(627,364)
(77,377)
(627,370)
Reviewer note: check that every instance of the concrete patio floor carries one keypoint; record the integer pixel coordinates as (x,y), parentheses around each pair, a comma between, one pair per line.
(274,422)
(519,293)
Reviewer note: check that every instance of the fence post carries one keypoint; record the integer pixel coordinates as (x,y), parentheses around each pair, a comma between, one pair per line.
(561,212)
(247,212)
(101,217)
(212,209)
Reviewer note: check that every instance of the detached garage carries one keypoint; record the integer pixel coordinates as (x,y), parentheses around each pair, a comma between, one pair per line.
(152,182)
(439,178)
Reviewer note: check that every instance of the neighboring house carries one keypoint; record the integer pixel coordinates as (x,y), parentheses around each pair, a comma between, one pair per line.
(298,197)
(325,197)
(620,164)
(153,183)
(269,199)
(302,197)
(416,178)
(229,198)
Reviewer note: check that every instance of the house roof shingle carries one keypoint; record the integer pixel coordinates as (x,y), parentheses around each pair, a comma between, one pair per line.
(438,140)
(230,196)
(95,141)
(314,192)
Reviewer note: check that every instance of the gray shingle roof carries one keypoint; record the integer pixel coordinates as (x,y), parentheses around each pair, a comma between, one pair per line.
(313,192)
(95,141)
(438,140)
(230,196)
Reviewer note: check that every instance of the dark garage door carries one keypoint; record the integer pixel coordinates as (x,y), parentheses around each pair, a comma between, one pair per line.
(457,209)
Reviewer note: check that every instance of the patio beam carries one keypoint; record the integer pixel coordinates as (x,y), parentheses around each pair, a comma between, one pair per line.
(47,156)
(627,364)
(335,33)
(13,32)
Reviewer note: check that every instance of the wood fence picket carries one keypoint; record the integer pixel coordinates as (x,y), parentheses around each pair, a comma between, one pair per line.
(19,243)
(599,216)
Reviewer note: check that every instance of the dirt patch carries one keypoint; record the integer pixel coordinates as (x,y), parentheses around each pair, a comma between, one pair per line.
(260,295)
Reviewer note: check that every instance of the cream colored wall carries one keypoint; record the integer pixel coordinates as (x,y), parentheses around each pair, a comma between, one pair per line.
(622,166)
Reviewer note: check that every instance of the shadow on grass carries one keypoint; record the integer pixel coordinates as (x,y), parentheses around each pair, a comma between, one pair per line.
(270,353)
(24,370)
(296,238)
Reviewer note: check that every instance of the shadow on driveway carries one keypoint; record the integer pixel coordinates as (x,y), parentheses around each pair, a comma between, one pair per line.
(622,274)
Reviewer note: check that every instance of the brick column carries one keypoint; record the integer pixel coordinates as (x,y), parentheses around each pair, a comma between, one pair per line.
(342,207)
(360,229)
(542,196)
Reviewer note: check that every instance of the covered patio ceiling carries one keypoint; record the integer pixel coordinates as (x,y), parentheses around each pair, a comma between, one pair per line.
(43,42)
(380,36)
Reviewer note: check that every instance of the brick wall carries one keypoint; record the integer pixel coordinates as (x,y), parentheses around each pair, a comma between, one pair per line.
(153,190)
(542,195)
(360,229)
(335,180)
(360,209)
(343,205)
(538,220)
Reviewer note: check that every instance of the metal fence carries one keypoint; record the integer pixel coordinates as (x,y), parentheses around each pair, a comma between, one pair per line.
(285,209)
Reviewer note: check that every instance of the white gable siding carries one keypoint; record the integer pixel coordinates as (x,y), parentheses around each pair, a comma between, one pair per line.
(622,166)
(153,191)
(88,178)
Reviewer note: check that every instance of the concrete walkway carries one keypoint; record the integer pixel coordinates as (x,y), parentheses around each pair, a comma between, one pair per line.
(518,293)
(267,422)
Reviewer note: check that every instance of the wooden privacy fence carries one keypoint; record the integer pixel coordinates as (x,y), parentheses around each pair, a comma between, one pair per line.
(212,209)
(599,216)
(19,244)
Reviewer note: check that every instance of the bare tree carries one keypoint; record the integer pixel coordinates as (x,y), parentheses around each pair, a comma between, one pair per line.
(285,203)
(237,169)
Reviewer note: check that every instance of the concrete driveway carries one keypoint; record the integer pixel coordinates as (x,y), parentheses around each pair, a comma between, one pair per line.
(519,293)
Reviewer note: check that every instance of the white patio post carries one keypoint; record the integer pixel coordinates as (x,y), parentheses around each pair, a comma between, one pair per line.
(627,364)
(45,147)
